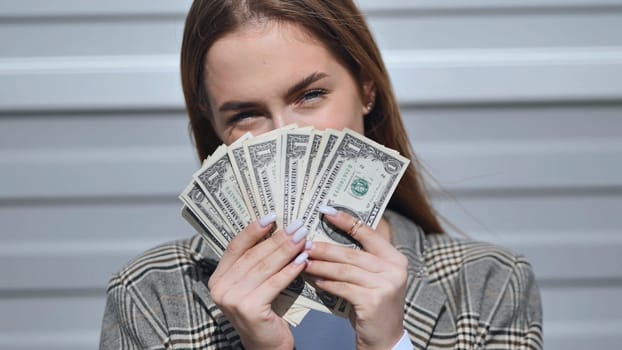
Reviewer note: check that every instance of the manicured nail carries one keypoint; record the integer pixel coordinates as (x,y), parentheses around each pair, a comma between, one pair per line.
(327,210)
(308,245)
(267,219)
(302,257)
(300,234)
(293,226)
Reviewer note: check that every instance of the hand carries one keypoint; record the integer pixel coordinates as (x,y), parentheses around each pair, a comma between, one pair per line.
(373,280)
(249,277)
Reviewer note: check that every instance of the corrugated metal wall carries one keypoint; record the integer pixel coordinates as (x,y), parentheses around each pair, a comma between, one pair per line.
(514,106)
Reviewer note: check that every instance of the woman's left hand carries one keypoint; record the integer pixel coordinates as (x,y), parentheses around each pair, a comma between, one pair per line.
(373,280)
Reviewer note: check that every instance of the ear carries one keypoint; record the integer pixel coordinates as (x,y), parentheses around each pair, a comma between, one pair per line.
(369,96)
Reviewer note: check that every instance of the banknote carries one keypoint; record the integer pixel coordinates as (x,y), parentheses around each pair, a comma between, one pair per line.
(291,171)
(325,149)
(217,180)
(191,218)
(205,212)
(262,158)
(329,139)
(292,168)
(310,171)
(308,296)
(359,178)
(348,158)
(242,172)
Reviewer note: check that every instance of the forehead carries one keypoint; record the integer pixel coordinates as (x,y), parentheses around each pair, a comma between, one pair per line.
(264,55)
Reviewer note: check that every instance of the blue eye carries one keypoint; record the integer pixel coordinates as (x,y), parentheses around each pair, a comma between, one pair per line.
(312,95)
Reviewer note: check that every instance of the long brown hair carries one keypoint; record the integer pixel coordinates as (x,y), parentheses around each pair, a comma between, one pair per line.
(342,28)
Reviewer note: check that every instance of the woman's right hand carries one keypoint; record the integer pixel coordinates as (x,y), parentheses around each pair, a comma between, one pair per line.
(251,274)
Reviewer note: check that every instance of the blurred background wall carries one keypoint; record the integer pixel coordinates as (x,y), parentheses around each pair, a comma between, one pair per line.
(514,106)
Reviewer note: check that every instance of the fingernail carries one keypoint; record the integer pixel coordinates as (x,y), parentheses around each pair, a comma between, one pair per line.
(300,234)
(293,226)
(327,210)
(314,279)
(302,257)
(308,245)
(267,219)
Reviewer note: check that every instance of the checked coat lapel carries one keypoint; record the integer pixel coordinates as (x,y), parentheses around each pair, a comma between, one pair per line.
(424,301)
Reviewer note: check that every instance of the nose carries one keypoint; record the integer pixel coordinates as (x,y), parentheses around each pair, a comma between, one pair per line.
(282,118)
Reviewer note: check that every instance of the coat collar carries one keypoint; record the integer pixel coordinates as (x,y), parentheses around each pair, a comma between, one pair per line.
(425,301)
(206,261)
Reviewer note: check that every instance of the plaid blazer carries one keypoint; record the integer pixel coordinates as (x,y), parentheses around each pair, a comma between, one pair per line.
(460,295)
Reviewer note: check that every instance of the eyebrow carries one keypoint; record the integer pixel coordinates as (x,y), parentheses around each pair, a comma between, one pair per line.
(306,81)
(236,106)
(302,84)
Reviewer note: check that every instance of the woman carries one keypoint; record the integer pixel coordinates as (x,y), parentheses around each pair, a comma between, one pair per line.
(260,65)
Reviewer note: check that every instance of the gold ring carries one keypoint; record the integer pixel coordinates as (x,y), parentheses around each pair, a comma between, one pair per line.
(355,227)
(354,222)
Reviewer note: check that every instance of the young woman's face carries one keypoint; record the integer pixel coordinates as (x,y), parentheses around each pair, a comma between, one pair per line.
(269,75)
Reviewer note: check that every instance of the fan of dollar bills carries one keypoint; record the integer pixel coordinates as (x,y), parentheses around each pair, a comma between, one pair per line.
(291,171)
